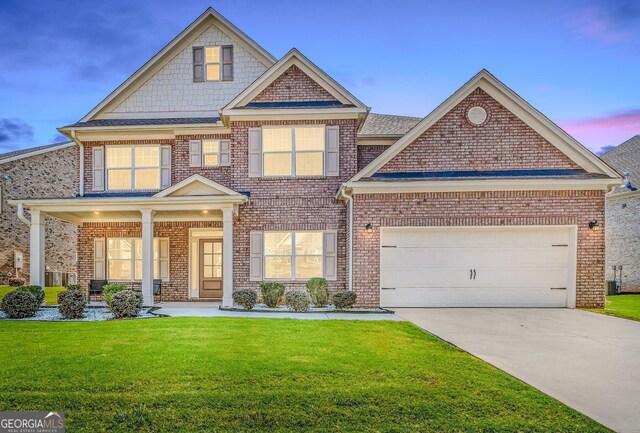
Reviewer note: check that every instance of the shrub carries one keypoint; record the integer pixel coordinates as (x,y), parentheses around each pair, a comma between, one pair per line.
(245,298)
(19,304)
(297,300)
(318,292)
(271,293)
(111,289)
(71,304)
(16,282)
(36,291)
(74,287)
(126,303)
(344,299)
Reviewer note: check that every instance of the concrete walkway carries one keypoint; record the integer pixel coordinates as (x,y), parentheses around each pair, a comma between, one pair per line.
(211,309)
(588,361)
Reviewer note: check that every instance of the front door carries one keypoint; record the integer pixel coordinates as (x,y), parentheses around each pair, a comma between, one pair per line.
(210,268)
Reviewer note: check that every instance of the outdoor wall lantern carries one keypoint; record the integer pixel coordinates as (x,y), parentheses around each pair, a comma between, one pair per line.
(593,225)
(369,228)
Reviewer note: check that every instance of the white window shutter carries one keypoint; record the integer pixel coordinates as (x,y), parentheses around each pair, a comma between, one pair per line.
(225,153)
(330,261)
(195,153)
(99,256)
(98,168)
(165,166)
(163,259)
(255,152)
(255,256)
(332,151)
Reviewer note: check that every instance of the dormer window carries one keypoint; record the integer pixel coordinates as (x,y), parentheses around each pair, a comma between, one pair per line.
(213,63)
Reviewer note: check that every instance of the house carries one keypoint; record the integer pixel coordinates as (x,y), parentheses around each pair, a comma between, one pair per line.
(622,210)
(44,171)
(216,167)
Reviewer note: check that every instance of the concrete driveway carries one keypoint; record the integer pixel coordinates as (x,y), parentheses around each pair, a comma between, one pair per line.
(588,361)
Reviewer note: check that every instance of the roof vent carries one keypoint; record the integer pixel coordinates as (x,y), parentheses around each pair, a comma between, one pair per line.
(477,115)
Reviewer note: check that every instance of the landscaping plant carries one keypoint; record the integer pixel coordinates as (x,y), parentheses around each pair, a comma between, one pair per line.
(111,289)
(16,282)
(36,291)
(74,287)
(271,293)
(19,304)
(71,304)
(318,291)
(297,300)
(344,299)
(245,298)
(126,303)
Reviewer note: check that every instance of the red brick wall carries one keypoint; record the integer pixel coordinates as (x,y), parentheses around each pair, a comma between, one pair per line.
(293,85)
(480,209)
(503,143)
(367,153)
(180,169)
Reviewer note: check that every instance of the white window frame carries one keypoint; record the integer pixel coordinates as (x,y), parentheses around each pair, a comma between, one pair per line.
(294,151)
(133,167)
(210,153)
(134,259)
(293,255)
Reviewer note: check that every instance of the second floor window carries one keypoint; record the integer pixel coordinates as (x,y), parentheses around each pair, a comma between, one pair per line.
(293,151)
(213,63)
(210,153)
(133,167)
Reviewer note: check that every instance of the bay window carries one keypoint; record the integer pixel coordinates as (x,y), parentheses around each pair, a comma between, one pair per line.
(133,167)
(124,259)
(293,151)
(293,255)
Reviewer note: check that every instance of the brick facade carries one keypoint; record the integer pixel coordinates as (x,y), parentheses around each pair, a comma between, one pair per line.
(293,85)
(369,152)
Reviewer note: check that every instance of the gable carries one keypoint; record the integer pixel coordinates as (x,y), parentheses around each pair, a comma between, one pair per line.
(293,85)
(196,185)
(502,142)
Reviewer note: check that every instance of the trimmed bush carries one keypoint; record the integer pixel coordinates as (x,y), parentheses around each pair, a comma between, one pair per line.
(318,291)
(344,299)
(19,304)
(126,303)
(297,300)
(71,304)
(75,287)
(271,293)
(245,298)
(16,282)
(36,291)
(111,289)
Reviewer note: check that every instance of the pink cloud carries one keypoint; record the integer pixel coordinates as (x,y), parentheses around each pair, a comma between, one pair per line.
(597,24)
(613,129)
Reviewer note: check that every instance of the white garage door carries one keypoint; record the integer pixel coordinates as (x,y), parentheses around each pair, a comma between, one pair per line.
(475,267)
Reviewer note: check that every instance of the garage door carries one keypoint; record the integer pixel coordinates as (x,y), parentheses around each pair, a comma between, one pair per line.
(475,267)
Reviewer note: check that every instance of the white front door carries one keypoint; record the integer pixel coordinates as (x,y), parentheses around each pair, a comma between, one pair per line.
(476,267)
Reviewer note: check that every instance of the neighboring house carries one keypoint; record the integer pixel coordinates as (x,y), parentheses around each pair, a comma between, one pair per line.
(216,167)
(39,172)
(622,213)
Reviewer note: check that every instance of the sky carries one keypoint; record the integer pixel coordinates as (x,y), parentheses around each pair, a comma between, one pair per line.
(578,62)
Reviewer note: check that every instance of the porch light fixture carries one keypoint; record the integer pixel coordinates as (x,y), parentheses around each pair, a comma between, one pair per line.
(205,211)
(593,225)
(369,228)
(96,213)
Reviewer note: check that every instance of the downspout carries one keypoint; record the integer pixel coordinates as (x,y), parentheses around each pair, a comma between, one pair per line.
(21,216)
(344,194)
(75,139)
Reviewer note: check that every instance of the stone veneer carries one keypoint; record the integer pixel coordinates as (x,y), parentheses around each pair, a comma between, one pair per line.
(623,240)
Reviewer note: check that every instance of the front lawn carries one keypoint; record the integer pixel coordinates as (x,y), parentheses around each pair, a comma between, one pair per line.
(238,375)
(625,306)
(50,293)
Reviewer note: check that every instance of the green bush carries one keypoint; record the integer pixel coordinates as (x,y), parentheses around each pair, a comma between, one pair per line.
(74,287)
(297,300)
(19,304)
(126,303)
(344,299)
(71,304)
(111,289)
(271,293)
(245,298)
(36,291)
(16,281)
(318,291)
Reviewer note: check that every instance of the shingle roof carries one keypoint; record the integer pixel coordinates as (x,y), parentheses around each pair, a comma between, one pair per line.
(145,122)
(388,124)
(14,153)
(625,158)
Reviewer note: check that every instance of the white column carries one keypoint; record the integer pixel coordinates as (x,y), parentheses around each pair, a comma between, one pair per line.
(227,257)
(36,253)
(147,257)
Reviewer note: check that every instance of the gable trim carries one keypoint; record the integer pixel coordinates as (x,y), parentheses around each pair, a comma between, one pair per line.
(512,102)
(196,178)
(37,152)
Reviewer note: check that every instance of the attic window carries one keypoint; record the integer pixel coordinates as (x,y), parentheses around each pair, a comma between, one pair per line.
(213,63)
(477,115)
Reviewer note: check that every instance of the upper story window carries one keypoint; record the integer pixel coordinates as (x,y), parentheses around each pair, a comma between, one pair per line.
(210,153)
(213,63)
(293,151)
(133,167)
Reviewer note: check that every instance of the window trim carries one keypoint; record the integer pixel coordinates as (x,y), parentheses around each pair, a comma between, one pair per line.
(133,167)
(210,153)
(293,255)
(133,259)
(293,151)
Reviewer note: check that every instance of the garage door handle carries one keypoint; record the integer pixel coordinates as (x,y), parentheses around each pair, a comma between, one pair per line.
(474,274)
(558,288)
(388,288)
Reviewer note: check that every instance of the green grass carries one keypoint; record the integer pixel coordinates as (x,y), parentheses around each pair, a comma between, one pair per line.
(625,306)
(50,293)
(254,375)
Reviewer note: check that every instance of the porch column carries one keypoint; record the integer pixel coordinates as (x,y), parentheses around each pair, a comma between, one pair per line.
(227,257)
(147,257)
(36,252)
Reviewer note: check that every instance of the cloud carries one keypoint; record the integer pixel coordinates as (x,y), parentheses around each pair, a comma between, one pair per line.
(605,149)
(597,24)
(602,131)
(15,130)
(58,138)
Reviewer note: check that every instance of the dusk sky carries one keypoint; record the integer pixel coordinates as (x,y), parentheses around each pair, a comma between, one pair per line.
(578,62)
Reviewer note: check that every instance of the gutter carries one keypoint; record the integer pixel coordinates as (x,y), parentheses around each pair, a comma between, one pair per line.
(21,217)
(343,194)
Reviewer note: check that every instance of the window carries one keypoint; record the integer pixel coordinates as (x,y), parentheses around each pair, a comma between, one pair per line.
(293,255)
(210,153)
(293,151)
(213,63)
(133,167)
(124,259)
